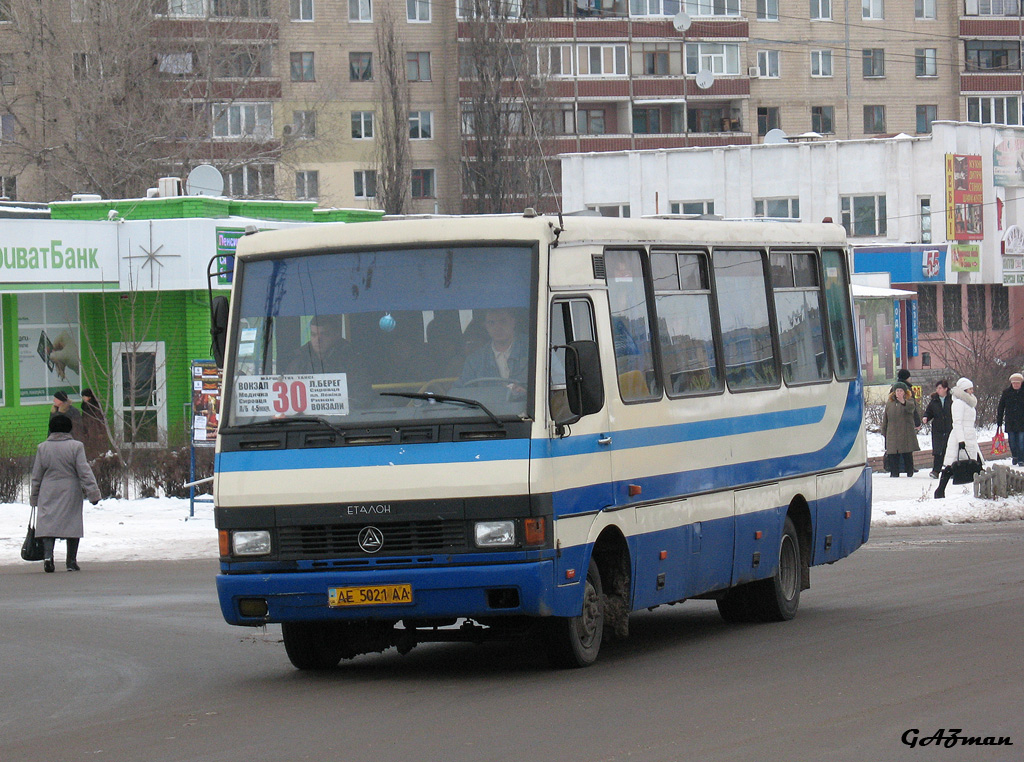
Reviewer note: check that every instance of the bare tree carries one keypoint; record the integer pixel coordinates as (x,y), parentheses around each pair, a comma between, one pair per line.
(111,94)
(394,161)
(507,114)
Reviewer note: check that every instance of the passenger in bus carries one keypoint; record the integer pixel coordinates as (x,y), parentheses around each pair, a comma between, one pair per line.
(900,423)
(505,356)
(328,351)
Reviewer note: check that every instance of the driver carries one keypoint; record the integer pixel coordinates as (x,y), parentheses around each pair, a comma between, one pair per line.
(504,357)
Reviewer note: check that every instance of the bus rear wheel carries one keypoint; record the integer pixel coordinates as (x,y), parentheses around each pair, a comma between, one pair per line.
(575,641)
(313,645)
(775,599)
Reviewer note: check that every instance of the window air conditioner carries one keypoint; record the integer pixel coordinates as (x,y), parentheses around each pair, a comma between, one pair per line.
(753,72)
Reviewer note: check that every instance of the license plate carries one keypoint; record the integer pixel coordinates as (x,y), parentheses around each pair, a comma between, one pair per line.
(369,595)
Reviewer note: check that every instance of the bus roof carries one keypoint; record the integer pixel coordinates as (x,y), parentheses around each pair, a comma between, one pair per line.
(427,230)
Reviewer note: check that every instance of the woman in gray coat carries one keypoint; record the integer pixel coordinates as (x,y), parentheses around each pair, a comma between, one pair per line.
(900,423)
(59,476)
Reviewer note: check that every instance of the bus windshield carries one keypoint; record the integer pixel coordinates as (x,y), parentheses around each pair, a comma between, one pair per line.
(336,335)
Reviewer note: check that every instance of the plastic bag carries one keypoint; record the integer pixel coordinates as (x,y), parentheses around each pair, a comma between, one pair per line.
(999,445)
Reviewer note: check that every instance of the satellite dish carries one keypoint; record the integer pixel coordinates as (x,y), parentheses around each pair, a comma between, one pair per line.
(705,79)
(775,136)
(681,21)
(204,180)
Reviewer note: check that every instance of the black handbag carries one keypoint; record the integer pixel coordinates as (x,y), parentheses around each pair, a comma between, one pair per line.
(962,470)
(32,548)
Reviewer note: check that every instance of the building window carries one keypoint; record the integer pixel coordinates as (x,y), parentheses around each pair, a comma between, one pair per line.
(7,126)
(987,55)
(360,10)
(976,307)
(301,10)
(992,7)
(307,184)
(874,119)
(873,62)
(821,10)
(85,66)
(602,60)
(243,120)
(925,116)
(924,9)
(1000,307)
(767,119)
(926,219)
(362,125)
(997,110)
(821,63)
(952,309)
(767,10)
(713,7)
(610,210)
(365,183)
(925,63)
(864,215)
(303,124)
(692,207)
(927,308)
(49,325)
(7,77)
(9,187)
(417,67)
(419,10)
(590,121)
(419,125)
(656,62)
(254,9)
(646,121)
(243,61)
(716,57)
(781,208)
(651,7)
(423,183)
(251,181)
(302,67)
(768,63)
(360,67)
(823,119)
(873,9)
(494,9)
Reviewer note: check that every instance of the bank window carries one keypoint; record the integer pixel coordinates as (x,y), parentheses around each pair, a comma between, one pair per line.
(631,331)
(682,297)
(1000,307)
(571,320)
(48,338)
(840,321)
(927,308)
(976,307)
(748,352)
(799,317)
(952,309)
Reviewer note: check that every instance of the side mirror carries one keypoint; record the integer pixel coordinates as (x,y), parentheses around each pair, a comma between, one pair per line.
(218,328)
(584,385)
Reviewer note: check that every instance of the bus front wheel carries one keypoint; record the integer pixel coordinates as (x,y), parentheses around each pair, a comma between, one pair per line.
(313,645)
(575,641)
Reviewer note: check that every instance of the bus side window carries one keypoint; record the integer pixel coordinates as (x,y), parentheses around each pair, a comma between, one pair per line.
(571,320)
(682,296)
(837,301)
(631,330)
(799,317)
(746,329)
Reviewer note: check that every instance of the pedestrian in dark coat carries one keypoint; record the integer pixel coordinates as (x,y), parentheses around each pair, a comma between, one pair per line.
(939,414)
(1010,417)
(900,423)
(94,426)
(59,476)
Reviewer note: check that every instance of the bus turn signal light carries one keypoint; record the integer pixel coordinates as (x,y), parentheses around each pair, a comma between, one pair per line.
(534,531)
(225,542)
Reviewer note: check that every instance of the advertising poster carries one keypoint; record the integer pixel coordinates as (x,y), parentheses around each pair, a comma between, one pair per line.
(48,346)
(1008,162)
(1013,256)
(964,198)
(205,401)
(966,258)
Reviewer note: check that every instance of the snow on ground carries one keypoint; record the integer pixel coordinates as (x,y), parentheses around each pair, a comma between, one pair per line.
(161,528)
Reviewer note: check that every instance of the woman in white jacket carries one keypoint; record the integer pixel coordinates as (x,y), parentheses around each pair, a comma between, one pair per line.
(964,414)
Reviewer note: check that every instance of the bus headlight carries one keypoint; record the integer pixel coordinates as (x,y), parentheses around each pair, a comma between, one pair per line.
(256,543)
(495,534)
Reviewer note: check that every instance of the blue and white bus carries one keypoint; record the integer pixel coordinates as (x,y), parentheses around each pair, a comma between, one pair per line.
(497,426)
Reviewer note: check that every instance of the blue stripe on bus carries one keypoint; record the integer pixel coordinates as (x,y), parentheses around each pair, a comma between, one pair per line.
(520,449)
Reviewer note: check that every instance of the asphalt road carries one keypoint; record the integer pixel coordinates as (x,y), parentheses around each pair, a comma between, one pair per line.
(923,628)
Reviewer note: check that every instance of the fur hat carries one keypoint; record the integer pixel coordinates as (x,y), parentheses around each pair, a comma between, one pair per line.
(60,424)
(900,385)
(1016,377)
(60,395)
(903,375)
(964,384)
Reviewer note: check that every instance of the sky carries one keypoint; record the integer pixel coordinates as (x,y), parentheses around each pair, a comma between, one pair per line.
(161,528)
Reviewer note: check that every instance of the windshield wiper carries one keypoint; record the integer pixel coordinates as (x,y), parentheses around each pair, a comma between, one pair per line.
(292,419)
(430,397)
